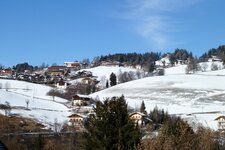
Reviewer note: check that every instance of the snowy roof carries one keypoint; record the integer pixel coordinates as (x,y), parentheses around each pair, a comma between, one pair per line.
(165,59)
(139,113)
(83,96)
(77,115)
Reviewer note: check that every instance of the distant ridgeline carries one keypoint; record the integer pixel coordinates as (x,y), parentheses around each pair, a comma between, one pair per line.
(146,58)
(218,52)
(132,58)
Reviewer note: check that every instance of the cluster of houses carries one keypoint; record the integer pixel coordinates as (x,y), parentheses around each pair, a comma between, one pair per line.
(214,59)
(63,70)
(61,75)
(7,73)
(166,61)
(119,64)
(77,120)
(56,75)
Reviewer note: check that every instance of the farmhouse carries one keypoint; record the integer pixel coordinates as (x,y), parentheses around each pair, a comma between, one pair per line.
(221,122)
(89,81)
(164,62)
(77,120)
(180,62)
(81,100)
(56,70)
(73,65)
(140,118)
(7,72)
(214,58)
(61,85)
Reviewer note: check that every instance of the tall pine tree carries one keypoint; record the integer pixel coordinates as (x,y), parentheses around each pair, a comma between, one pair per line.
(142,108)
(107,84)
(112,79)
(110,127)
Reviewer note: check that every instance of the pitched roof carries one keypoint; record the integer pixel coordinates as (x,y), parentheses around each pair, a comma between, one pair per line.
(220,117)
(83,96)
(77,115)
(139,113)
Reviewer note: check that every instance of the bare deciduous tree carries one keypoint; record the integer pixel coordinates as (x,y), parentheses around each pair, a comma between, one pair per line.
(27,102)
(204,67)
(57,126)
(214,67)
(6,107)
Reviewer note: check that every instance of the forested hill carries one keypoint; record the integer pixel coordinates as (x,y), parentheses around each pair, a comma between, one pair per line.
(151,57)
(146,58)
(132,58)
(219,52)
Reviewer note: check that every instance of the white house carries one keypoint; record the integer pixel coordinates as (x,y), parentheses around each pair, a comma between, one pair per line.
(221,122)
(73,65)
(81,100)
(180,62)
(164,62)
(61,85)
(77,121)
(140,118)
(214,58)
(138,66)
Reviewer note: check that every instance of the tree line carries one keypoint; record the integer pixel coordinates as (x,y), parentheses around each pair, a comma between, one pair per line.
(219,52)
(145,59)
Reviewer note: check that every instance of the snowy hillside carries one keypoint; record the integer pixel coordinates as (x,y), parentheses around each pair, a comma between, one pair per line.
(198,98)
(206,68)
(40,107)
(103,72)
(175,70)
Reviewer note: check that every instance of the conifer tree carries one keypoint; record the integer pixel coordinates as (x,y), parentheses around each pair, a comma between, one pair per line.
(142,108)
(107,84)
(110,127)
(112,79)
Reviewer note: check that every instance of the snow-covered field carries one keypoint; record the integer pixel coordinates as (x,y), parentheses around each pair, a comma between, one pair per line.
(206,69)
(199,98)
(41,107)
(103,72)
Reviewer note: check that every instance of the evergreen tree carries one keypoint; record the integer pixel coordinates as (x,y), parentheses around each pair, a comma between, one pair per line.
(110,127)
(142,108)
(107,84)
(112,79)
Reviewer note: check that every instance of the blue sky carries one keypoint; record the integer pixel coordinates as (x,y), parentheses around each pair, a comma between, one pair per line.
(54,31)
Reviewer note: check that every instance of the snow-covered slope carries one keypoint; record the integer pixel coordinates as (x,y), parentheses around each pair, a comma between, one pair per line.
(103,72)
(198,98)
(41,107)
(175,70)
(206,68)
